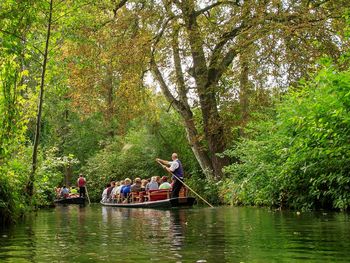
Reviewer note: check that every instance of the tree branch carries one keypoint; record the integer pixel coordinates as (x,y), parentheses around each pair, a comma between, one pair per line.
(178,105)
(118,6)
(209,7)
(164,87)
(157,37)
(180,80)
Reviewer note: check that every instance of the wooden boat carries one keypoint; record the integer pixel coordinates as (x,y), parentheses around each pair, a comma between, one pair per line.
(165,203)
(70,200)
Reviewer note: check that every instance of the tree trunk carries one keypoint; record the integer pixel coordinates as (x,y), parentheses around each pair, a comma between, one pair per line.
(214,132)
(68,175)
(30,184)
(198,150)
(192,134)
(206,86)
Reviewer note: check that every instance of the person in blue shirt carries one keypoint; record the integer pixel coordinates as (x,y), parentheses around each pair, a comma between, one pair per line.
(64,192)
(126,189)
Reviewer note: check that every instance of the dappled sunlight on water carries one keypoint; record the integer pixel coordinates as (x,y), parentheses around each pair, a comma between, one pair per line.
(224,234)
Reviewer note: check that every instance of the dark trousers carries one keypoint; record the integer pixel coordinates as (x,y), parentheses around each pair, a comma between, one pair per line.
(176,188)
(82,191)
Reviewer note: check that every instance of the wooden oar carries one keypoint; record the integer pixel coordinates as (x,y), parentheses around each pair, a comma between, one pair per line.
(188,186)
(87,194)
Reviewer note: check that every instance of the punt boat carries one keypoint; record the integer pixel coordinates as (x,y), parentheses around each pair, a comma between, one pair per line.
(70,200)
(165,203)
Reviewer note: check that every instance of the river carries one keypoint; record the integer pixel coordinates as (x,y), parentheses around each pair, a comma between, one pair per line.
(223,234)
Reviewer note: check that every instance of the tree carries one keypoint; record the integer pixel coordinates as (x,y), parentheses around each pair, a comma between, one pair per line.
(194,45)
(40,104)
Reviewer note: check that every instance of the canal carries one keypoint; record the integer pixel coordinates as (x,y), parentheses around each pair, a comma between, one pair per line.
(224,234)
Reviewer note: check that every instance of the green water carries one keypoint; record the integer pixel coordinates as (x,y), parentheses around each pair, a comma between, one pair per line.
(224,234)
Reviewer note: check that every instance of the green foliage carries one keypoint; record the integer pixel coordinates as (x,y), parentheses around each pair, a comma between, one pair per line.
(134,154)
(300,157)
(14,111)
(50,174)
(13,176)
(131,157)
(207,188)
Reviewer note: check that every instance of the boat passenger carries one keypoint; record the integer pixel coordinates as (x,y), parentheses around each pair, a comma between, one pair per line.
(159,181)
(114,190)
(144,182)
(104,193)
(165,185)
(152,185)
(58,191)
(125,191)
(136,187)
(121,184)
(73,192)
(109,191)
(64,192)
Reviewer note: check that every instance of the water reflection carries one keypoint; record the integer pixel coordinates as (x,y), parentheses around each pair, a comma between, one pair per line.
(107,234)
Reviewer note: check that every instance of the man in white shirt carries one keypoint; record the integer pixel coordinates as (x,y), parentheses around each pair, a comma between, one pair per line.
(175,168)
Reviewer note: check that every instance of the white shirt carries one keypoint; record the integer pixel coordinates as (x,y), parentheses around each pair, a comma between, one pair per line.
(114,190)
(173,165)
(104,195)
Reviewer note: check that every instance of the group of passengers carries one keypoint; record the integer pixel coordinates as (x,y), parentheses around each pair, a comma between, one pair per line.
(121,191)
(65,192)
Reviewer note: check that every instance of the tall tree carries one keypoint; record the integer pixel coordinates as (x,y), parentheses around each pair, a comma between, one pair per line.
(195,44)
(40,103)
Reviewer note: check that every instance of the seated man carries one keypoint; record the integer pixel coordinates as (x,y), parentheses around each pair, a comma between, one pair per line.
(136,187)
(165,184)
(126,189)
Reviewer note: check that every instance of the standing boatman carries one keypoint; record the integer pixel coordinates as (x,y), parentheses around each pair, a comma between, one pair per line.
(175,168)
(81,182)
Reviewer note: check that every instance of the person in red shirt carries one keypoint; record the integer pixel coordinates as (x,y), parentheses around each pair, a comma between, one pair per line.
(81,184)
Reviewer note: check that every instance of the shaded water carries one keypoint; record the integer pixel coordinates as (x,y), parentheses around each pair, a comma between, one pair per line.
(224,234)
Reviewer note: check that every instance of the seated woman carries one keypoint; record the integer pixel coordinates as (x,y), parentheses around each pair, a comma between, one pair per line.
(152,185)
(144,182)
(114,194)
(165,184)
(104,194)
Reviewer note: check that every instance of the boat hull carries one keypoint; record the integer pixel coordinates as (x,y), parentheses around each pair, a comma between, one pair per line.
(72,200)
(167,203)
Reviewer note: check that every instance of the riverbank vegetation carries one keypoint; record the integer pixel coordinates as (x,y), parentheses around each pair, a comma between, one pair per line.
(254,97)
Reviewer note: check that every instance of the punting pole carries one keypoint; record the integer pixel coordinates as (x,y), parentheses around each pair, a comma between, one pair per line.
(87,194)
(188,187)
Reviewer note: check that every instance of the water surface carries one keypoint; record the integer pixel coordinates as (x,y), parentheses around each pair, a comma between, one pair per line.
(223,234)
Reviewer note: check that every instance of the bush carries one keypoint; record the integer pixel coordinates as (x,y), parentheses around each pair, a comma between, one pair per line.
(300,158)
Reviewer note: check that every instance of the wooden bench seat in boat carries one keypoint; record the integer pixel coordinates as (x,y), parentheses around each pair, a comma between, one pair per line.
(155,195)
